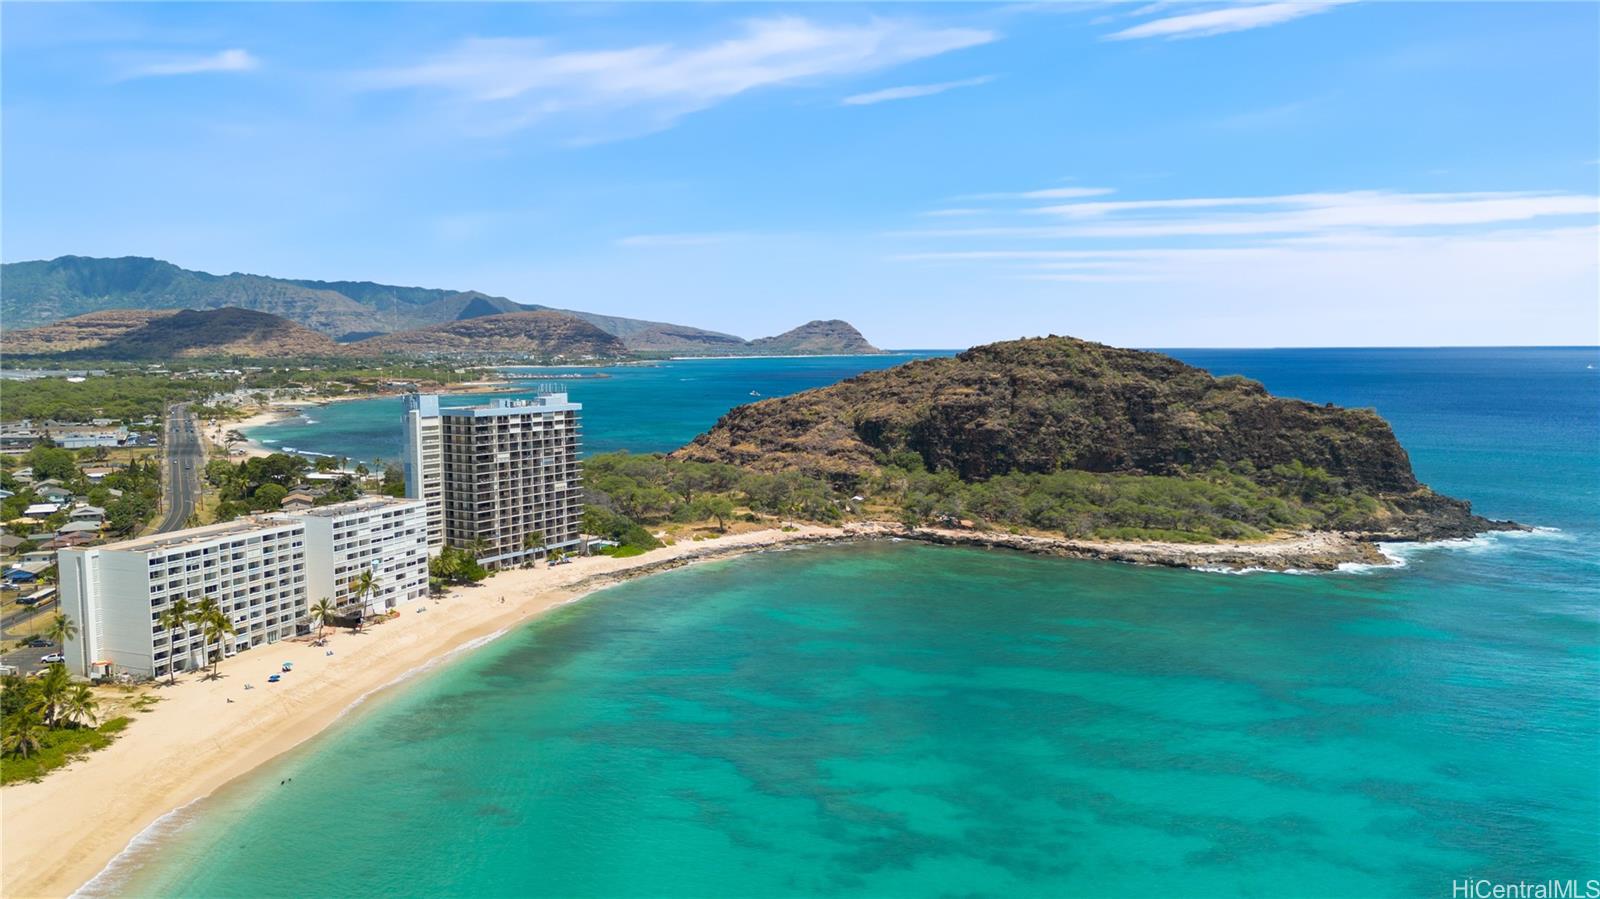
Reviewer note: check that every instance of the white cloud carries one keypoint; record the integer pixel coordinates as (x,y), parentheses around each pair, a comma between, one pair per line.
(912,90)
(1441,268)
(1048,193)
(1225,20)
(233,60)
(1064,193)
(680,240)
(1313,213)
(520,81)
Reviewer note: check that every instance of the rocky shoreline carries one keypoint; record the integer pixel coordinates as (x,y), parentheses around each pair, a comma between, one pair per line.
(1306,551)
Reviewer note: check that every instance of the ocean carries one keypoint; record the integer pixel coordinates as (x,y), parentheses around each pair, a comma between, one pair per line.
(894,719)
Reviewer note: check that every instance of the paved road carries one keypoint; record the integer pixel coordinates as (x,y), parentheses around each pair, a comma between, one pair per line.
(27,658)
(184,459)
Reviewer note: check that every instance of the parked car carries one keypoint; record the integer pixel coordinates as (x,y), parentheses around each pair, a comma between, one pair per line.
(53,658)
(39,643)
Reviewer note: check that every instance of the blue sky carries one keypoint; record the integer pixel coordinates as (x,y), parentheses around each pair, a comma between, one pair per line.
(1150,174)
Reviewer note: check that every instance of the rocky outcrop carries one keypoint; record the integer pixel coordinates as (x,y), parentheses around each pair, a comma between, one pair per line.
(815,338)
(1047,404)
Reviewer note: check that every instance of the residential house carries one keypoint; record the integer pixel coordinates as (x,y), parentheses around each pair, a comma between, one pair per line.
(25,572)
(69,540)
(301,498)
(54,494)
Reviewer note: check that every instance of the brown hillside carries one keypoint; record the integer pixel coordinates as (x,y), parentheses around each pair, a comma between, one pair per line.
(545,335)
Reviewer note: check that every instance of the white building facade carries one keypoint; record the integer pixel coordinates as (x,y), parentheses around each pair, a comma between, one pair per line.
(381,534)
(423,462)
(264,572)
(255,570)
(510,473)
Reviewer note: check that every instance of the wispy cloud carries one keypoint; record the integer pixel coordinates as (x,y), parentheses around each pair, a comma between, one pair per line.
(680,240)
(233,60)
(1048,193)
(1374,242)
(1223,21)
(911,91)
(1313,213)
(521,81)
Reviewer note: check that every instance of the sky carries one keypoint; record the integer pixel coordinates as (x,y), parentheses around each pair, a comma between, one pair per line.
(1148,174)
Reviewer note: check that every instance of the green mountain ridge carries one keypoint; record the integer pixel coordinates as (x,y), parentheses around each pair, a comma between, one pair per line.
(41,292)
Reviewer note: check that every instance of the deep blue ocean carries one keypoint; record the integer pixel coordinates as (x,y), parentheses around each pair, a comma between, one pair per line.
(893,719)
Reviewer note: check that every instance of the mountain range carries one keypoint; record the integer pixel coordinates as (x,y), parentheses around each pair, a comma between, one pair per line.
(43,292)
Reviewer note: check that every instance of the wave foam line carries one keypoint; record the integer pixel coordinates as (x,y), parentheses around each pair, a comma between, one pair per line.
(113,874)
(122,866)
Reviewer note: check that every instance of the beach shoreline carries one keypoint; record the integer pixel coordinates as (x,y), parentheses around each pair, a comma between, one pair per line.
(206,733)
(222,731)
(279,410)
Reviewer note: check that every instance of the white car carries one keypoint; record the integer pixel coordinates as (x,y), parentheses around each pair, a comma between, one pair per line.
(53,658)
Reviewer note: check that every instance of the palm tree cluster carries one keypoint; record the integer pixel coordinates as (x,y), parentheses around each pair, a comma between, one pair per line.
(31,708)
(456,566)
(213,622)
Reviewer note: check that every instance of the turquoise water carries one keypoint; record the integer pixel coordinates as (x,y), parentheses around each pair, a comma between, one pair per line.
(891,719)
(644,408)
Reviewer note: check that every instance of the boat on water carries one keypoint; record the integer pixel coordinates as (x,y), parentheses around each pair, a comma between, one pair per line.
(755,393)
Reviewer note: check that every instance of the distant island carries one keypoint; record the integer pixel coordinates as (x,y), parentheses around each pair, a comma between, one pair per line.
(98,301)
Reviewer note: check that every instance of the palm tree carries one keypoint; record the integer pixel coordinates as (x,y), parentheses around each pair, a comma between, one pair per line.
(52,692)
(61,629)
(479,548)
(214,624)
(322,611)
(361,587)
(23,733)
(535,542)
(80,705)
(175,618)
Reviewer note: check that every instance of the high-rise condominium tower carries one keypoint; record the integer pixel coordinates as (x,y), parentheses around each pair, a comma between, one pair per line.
(507,474)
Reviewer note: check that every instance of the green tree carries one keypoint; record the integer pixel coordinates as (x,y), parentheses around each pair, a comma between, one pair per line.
(394,481)
(214,626)
(22,733)
(174,618)
(62,629)
(533,542)
(50,461)
(80,706)
(321,612)
(52,690)
(269,496)
(361,588)
(715,506)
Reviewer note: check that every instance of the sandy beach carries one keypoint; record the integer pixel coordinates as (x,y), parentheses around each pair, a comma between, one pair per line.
(135,781)
(195,739)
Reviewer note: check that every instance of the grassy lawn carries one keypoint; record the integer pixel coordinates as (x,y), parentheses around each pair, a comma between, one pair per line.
(59,748)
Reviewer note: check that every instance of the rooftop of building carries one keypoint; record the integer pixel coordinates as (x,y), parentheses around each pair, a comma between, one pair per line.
(358,505)
(545,401)
(203,534)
